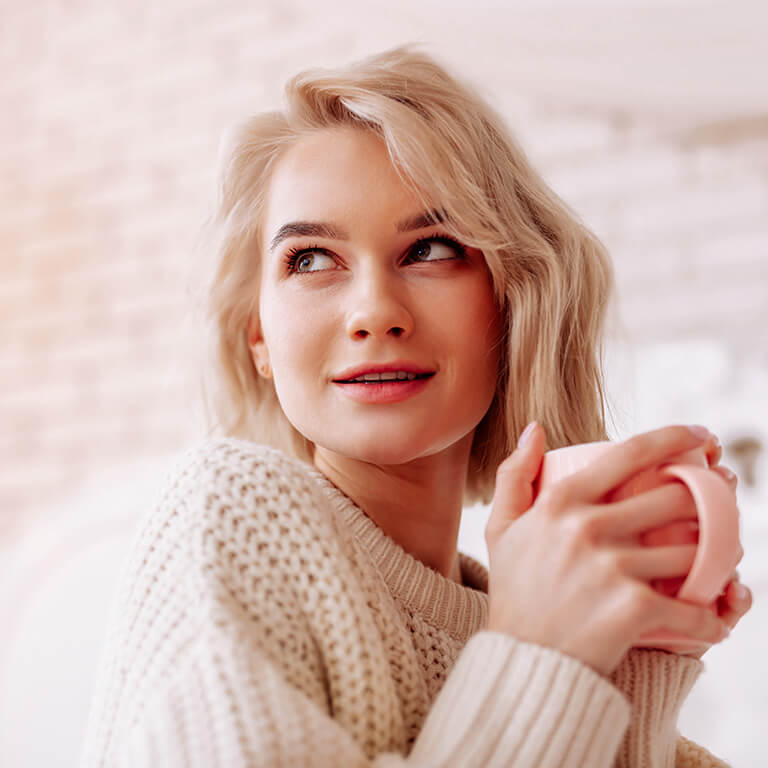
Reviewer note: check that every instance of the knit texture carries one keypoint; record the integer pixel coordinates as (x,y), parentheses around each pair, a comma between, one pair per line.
(263,619)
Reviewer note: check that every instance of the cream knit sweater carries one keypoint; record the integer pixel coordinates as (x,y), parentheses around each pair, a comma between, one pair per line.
(263,619)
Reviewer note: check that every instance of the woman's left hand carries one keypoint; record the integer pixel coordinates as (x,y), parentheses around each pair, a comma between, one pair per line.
(732,604)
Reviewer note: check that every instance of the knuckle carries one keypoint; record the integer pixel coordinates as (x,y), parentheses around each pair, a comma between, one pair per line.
(550,499)
(670,437)
(573,531)
(608,572)
(705,624)
(592,524)
(505,467)
(677,433)
(708,625)
(635,447)
(620,560)
(634,604)
(642,602)
(556,497)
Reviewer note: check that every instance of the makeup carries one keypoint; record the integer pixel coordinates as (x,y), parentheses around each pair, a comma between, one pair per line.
(383,391)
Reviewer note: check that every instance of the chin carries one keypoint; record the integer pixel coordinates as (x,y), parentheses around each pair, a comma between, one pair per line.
(375,450)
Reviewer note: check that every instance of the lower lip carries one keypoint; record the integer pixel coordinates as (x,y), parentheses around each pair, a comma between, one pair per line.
(385,391)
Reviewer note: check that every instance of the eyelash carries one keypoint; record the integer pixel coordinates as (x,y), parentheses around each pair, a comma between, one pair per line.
(294,254)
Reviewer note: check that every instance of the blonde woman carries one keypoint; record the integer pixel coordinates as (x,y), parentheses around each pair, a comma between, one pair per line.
(396,295)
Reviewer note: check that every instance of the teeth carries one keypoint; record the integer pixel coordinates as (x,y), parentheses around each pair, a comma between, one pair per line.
(389,376)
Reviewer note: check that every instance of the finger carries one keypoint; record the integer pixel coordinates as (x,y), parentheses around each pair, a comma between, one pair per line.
(713,451)
(728,475)
(733,577)
(648,510)
(727,613)
(646,563)
(623,460)
(513,492)
(733,605)
(696,621)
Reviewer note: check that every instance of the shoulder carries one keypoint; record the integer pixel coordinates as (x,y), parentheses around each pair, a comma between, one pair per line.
(239,492)
(228,471)
(239,515)
(221,460)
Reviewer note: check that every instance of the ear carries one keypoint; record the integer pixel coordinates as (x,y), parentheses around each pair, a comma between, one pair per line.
(259,351)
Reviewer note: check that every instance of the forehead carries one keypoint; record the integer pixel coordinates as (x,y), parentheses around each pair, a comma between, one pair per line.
(335,171)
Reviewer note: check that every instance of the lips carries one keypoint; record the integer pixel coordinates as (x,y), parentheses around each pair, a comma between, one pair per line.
(387,391)
(397,380)
(392,367)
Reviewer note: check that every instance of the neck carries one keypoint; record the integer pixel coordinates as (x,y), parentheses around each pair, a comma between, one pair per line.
(418,504)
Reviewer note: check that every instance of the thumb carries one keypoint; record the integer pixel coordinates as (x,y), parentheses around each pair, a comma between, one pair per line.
(513,494)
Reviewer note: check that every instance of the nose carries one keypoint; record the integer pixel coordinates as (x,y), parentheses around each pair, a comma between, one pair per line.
(378,307)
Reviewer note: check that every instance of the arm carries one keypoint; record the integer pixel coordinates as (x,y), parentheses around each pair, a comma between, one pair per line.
(242,638)
(657,683)
(501,706)
(691,755)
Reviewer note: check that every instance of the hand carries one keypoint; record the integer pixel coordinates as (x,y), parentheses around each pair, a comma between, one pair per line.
(730,609)
(564,570)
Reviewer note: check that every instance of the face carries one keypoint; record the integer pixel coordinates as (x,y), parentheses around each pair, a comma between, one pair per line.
(368,293)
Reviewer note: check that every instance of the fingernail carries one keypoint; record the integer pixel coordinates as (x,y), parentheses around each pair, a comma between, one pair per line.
(701,432)
(727,472)
(740,592)
(526,433)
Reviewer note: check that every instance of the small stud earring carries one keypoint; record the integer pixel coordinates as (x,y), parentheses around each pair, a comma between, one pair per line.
(264,369)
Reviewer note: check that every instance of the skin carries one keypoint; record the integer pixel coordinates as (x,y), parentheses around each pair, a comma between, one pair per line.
(403,463)
(371,300)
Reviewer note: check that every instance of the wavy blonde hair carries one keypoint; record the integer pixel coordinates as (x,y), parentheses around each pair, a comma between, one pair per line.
(552,277)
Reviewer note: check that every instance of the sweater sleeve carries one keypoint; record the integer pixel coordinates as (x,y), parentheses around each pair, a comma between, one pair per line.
(688,754)
(224,633)
(656,683)
(504,704)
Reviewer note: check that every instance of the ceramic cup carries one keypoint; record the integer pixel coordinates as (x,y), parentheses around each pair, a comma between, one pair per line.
(716,530)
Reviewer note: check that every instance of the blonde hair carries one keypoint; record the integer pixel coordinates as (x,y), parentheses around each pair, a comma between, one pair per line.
(552,277)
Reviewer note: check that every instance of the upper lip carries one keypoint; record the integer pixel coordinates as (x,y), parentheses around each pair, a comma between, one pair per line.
(395,365)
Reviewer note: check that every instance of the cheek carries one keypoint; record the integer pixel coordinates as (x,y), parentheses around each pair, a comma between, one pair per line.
(487,328)
(296,333)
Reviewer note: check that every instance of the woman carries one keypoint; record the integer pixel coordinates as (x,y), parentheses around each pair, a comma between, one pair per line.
(396,295)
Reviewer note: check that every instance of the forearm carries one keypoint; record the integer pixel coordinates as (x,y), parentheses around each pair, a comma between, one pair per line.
(656,683)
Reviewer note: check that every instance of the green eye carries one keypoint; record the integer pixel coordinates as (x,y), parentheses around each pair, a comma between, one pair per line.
(427,247)
(421,248)
(296,256)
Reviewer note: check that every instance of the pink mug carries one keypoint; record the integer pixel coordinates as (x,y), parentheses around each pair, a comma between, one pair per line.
(716,530)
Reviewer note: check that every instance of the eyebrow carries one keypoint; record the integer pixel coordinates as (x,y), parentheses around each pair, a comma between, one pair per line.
(333,232)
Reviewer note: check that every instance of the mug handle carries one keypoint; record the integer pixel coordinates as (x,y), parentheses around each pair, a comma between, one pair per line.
(718,532)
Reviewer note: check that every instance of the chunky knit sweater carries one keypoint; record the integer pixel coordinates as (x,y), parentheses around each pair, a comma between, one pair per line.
(262,619)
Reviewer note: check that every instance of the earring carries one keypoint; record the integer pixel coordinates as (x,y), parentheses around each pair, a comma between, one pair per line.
(264,369)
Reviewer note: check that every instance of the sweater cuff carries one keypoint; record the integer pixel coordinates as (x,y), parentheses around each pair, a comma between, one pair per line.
(656,683)
(510,703)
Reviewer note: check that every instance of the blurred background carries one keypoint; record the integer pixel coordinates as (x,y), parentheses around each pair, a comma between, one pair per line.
(650,119)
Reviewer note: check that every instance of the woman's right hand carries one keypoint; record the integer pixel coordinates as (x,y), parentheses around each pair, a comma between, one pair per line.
(566,569)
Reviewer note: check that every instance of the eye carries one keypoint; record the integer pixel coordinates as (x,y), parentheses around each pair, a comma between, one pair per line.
(444,247)
(296,257)
(429,246)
